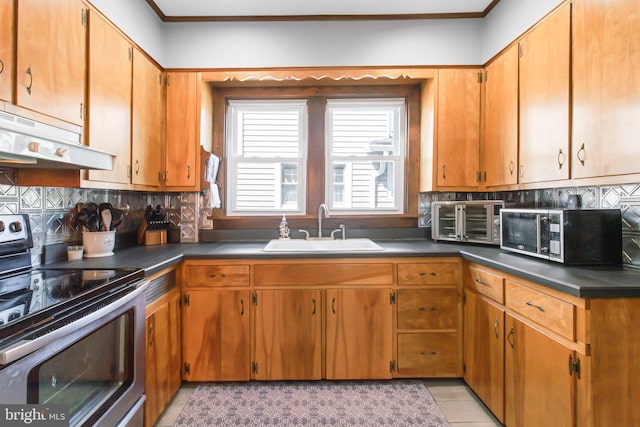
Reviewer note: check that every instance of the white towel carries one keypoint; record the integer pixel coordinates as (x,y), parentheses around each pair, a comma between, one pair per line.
(210,174)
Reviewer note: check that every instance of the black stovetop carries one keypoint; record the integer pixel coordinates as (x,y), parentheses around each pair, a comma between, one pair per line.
(34,295)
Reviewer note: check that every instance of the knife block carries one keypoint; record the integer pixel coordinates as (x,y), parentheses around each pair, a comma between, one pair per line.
(153,232)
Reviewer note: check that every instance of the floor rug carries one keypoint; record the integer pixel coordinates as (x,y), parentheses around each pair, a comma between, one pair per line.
(395,403)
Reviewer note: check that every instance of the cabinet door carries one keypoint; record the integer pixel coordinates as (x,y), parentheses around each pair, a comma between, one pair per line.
(606,88)
(156,384)
(544,100)
(174,343)
(215,335)
(483,345)
(358,334)
(539,389)
(51,57)
(6,49)
(181,129)
(458,127)
(288,331)
(109,113)
(146,121)
(500,142)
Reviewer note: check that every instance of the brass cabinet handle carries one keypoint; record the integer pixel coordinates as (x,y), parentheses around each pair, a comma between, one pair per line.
(581,155)
(561,159)
(1,66)
(333,305)
(511,167)
(444,171)
(313,301)
(137,167)
(495,328)
(188,171)
(511,332)
(213,276)
(539,307)
(241,307)
(30,75)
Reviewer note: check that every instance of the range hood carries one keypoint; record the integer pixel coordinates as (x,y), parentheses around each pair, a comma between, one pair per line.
(27,143)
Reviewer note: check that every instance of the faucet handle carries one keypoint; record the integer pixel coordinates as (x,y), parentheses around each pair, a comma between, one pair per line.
(306,237)
(342,229)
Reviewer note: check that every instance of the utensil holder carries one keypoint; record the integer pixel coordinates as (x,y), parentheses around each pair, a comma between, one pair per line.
(98,243)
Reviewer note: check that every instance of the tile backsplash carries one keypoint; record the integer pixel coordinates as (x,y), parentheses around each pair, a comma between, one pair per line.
(625,197)
(49,210)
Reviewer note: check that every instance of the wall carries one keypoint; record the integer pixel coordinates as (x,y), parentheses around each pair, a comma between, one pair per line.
(623,197)
(324,43)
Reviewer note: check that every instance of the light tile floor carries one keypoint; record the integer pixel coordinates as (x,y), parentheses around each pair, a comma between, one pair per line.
(461,407)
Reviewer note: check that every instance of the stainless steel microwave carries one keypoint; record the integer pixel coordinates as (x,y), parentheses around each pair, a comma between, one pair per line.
(475,221)
(569,236)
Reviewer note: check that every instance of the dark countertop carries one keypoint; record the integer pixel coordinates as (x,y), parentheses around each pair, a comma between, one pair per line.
(585,282)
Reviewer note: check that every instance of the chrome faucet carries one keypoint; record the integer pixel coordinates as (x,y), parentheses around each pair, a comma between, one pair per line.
(326,213)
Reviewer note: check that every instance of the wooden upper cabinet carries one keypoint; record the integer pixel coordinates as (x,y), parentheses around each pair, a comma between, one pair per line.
(458,127)
(606,88)
(109,99)
(500,141)
(182,129)
(51,58)
(6,49)
(147,112)
(544,99)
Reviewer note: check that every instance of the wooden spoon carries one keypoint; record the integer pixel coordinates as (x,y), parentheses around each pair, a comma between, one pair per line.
(106,219)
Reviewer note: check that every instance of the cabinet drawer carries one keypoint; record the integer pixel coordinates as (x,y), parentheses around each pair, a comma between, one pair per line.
(428,354)
(427,309)
(552,313)
(323,274)
(484,282)
(428,273)
(217,275)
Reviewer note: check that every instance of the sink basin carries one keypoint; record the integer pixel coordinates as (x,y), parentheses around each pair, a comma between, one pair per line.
(328,245)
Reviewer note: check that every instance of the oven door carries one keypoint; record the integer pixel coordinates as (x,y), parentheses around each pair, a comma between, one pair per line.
(95,371)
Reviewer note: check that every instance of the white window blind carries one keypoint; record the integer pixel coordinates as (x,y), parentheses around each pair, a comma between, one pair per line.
(365,149)
(266,152)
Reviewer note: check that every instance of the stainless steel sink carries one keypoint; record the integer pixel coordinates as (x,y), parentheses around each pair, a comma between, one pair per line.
(322,245)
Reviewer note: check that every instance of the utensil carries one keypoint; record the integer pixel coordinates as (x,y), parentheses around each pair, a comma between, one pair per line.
(82,219)
(94,222)
(116,217)
(106,220)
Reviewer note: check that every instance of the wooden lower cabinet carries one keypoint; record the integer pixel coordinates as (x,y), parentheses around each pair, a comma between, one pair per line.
(215,336)
(483,354)
(301,319)
(427,354)
(288,331)
(162,355)
(539,385)
(359,333)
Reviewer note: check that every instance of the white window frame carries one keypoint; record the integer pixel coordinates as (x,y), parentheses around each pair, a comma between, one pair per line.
(398,158)
(234,109)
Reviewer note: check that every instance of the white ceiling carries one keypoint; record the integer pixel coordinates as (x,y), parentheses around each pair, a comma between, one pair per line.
(212,9)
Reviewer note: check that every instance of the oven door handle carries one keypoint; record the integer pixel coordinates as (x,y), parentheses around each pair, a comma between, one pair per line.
(25,347)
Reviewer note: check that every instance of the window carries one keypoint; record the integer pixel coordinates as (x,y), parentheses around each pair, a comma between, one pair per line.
(289,149)
(365,145)
(266,152)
